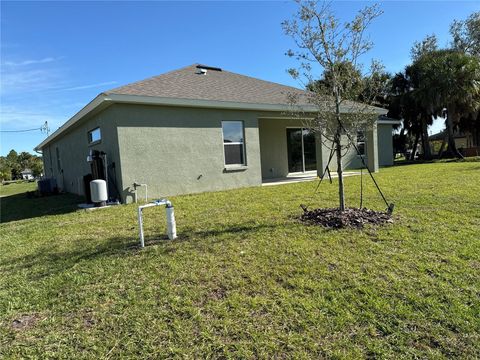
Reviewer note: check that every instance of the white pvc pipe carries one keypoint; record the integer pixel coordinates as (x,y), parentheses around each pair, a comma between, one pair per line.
(140,226)
(171,224)
(136,186)
(105,165)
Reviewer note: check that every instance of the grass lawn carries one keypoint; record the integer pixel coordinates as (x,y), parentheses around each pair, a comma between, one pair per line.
(17,188)
(245,279)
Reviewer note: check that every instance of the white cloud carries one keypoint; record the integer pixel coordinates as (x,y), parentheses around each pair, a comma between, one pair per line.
(19,77)
(32,61)
(11,120)
(35,91)
(15,82)
(90,86)
(28,80)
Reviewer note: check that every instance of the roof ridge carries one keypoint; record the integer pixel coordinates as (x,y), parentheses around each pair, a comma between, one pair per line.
(194,65)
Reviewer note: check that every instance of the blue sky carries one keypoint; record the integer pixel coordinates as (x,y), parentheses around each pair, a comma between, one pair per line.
(57,56)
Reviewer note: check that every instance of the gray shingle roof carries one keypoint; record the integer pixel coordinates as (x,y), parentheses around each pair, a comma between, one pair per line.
(187,83)
(186,87)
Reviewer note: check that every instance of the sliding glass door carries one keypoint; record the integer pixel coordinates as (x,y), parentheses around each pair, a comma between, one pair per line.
(301,150)
(309,150)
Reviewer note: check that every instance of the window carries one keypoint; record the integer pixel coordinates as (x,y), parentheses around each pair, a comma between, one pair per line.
(94,135)
(59,164)
(233,142)
(361,142)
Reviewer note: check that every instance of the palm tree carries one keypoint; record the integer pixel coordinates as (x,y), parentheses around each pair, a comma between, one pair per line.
(448,79)
(422,106)
(410,105)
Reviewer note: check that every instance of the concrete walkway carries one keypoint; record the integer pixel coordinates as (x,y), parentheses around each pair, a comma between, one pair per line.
(300,177)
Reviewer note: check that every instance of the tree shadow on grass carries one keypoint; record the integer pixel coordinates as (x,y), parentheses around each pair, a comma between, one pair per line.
(48,260)
(247,227)
(476,168)
(21,206)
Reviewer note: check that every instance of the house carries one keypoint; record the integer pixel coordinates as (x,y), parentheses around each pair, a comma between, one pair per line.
(196,129)
(466,142)
(27,174)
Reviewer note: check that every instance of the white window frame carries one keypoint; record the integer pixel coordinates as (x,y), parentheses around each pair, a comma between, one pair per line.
(364,142)
(234,143)
(89,137)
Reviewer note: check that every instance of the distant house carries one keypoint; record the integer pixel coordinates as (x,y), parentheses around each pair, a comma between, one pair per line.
(196,129)
(466,142)
(27,174)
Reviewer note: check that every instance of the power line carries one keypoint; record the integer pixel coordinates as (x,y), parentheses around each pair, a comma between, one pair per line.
(43,128)
(25,130)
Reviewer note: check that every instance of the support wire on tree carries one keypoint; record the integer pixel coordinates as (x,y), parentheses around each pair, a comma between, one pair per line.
(390,206)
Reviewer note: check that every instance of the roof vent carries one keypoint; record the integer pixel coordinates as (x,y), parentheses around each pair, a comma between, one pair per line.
(201,71)
(206,67)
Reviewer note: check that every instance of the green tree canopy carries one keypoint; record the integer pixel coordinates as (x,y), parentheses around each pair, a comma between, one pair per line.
(447,79)
(466,35)
(13,164)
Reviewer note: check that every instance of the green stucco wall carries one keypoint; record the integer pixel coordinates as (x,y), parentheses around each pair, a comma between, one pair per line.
(180,150)
(74,148)
(273,148)
(385,145)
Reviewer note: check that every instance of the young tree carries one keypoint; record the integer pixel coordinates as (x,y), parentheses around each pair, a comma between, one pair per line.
(322,40)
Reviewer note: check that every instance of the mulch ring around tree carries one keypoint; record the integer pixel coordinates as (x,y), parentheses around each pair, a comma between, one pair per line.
(333,218)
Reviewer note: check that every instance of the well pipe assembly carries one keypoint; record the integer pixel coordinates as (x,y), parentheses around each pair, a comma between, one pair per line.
(135,191)
(171,225)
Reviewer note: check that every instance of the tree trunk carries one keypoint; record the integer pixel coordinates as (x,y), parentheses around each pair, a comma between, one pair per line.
(427,153)
(341,193)
(422,139)
(476,135)
(338,146)
(402,139)
(400,146)
(414,149)
(442,147)
(452,147)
